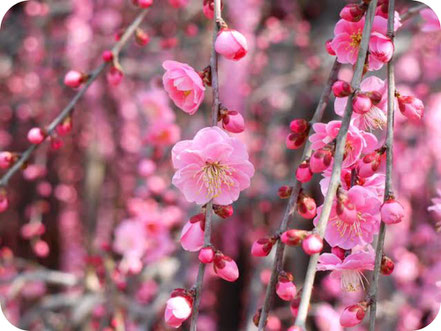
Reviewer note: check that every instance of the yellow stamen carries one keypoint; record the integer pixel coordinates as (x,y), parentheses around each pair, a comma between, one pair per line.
(356,39)
(213,175)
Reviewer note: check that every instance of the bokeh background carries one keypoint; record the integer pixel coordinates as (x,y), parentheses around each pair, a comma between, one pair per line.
(115,166)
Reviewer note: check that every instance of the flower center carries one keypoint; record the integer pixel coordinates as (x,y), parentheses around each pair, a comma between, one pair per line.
(351,225)
(375,119)
(187,93)
(356,39)
(351,280)
(214,175)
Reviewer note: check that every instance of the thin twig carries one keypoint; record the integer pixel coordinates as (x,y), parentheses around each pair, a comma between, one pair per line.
(317,117)
(388,190)
(336,169)
(209,208)
(25,156)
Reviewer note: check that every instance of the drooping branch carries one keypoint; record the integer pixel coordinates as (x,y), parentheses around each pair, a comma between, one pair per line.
(209,208)
(337,167)
(278,260)
(388,189)
(25,156)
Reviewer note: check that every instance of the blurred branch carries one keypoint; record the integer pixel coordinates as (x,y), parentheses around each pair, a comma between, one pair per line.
(70,107)
(336,169)
(412,12)
(388,190)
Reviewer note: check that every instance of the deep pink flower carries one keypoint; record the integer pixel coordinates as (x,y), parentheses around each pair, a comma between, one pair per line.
(411,107)
(206,255)
(6,160)
(312,244)
(184,86)
(285,288)
(342,89)
(356,143)
(74,78)
(349,230)
(231,44)
(381,47)
(347,39)
(304,173)
(376,117)
(233,122)
(225,267)
(431,20)
(262,247)
(36,136)
(350,269)
(353,315)
(211,166)
(192,235)
(178,309)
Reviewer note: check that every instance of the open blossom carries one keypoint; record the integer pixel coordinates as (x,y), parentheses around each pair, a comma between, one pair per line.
(357,142)
(359,222)
(184,86)
(130,238)
(375,118)
(347,39)
(211,166)
(155,104)
(349,269)
(431,20)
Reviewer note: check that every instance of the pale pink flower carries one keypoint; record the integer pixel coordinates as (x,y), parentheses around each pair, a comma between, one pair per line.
(155,104)
(349,269)
(184,86)
(130,238)
(347,39)
(231,44)
(192,235)
(211,166)
(376,117)
(178,309)
(356,143)
(347,231)
(431,20)
(163,134)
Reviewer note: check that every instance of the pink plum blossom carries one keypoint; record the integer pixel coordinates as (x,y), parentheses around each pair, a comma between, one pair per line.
(356,141)
(231,44)
(376,117)
(130,238)
(355,228)
(211,166)
(178,309)
(349,269)
(183,85)
(192,235)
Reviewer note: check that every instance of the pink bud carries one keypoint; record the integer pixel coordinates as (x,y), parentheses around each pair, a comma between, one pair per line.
(208,9)
(295,140)
(178,3)
(114,76)
(411,107)
(56,143)
(6,160)
(375,97)
(284,192)
(141,37)
(32,229)
(293,237)
(299,125)
(339,252)
(329,48)
(320,160)
(36,136)
(361,103)
(225,267)
(352,12)
(285,288)
(262,247)
(41,248)
(381,47)
(306,206)
(304,173)
(369,164)
(178,309)
(342,89)
(231,44)
(4,202)
(392,212)
(74,78)
(312,244)
(206,255)
(387,266)
(223,211)
(192,235)
(107,56)
(233,122)
(144,3)
(353,315)
(65,127)
(146,167)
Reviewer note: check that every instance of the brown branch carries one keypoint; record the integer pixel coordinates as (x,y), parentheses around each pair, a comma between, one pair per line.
(336,169)
(317,117)
(209,208)
(25,156)
(388,190)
